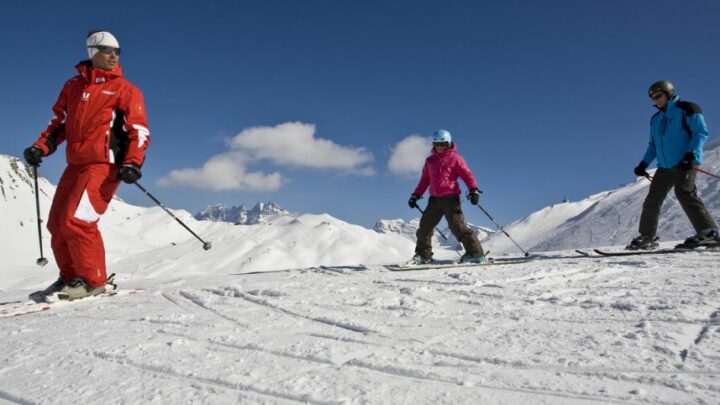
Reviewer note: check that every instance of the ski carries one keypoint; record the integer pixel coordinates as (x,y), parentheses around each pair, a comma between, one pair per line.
(23,308)
(28,307)
(642,252)
(677,249)
(442,264)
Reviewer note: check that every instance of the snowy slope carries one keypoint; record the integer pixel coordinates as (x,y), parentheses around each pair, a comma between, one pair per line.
(19,245)
(261,318)
(148,237)
(609,218)
(560,331)
(535,228)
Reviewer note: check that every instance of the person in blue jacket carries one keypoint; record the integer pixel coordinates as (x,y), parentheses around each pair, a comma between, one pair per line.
(677,135)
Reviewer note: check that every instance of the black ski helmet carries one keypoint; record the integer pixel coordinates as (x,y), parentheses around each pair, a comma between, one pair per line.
(663,86)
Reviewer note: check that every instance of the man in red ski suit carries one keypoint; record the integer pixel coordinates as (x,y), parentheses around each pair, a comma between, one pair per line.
(101,117)
(441,172)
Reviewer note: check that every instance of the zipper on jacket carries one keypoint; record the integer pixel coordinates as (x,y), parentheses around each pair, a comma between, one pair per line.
(663,126)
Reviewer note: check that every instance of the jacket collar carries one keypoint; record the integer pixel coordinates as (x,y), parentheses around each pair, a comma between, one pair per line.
(97,75)
(671,103)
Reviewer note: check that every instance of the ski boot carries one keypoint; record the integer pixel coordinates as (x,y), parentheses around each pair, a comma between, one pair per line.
(643,242)
(706,238)
(40,296)
(468,258)
(77,289)
(418,260)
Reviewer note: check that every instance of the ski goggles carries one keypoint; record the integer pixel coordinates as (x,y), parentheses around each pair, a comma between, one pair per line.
(445,144)
(107,50)
(657,96)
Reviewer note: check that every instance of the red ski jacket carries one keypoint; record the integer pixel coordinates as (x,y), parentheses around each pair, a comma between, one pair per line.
(441,172)
(102,117)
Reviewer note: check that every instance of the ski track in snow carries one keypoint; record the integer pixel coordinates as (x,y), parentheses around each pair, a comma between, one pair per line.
(625,330)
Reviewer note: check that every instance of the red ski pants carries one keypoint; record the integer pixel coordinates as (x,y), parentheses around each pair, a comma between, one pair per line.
(82,196)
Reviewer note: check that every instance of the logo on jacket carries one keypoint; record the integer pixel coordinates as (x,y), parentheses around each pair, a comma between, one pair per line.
(108,92)
(86,96)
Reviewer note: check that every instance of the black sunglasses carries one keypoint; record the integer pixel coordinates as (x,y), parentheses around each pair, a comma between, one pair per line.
(107,50)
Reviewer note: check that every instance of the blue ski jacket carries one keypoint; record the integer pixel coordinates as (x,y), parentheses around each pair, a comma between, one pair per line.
(677,129)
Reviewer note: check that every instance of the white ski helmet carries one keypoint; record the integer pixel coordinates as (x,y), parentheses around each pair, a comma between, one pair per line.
(442,135)
(100,38)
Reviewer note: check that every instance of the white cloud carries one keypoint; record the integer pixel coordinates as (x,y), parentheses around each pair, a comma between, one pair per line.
(292,144)
(224,172)
(408,156)
(295,144)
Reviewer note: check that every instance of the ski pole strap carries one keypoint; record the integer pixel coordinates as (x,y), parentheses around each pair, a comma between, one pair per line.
(704,172)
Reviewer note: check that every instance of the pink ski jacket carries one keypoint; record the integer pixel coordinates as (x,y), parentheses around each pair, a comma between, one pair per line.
(441,172)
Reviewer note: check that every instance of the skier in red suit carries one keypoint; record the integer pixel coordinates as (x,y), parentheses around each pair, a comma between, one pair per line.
(101,118)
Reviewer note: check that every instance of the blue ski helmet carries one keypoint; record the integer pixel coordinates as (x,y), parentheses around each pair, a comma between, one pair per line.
(442,135)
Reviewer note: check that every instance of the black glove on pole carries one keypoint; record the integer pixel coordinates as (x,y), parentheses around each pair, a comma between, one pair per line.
(129,173)
(33,156)
(640,170)
(412,202)
(687,162)
(474,196)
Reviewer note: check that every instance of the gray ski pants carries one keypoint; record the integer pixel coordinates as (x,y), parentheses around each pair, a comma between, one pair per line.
(686,193)
(449,207)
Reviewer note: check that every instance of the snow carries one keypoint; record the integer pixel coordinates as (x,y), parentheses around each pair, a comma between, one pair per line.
(282,312)
(608,218)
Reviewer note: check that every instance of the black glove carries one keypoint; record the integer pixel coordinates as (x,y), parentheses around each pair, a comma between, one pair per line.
(687,162)
(129,173)
(640,169)
(474,196)
(33,155)
(412,202)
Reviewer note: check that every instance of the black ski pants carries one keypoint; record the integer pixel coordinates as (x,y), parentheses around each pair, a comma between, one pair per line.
(450,208)
(686,193)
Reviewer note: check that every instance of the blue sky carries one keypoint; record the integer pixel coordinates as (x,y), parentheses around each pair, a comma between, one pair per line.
(306,102)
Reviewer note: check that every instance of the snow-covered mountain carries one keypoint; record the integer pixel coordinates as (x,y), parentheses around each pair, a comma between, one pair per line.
(240,215)
(610,217)
(407,229)
(18,219)
(139,239)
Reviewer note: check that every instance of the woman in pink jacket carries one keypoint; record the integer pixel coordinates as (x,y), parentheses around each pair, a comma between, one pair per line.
(441,171)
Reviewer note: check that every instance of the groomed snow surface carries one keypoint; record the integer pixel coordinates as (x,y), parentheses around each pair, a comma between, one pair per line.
(642,329)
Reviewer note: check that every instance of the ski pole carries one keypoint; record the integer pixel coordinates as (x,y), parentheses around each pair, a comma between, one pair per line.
(502,229)
(206,245)
(439,231)
(42,261)
(704,172)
